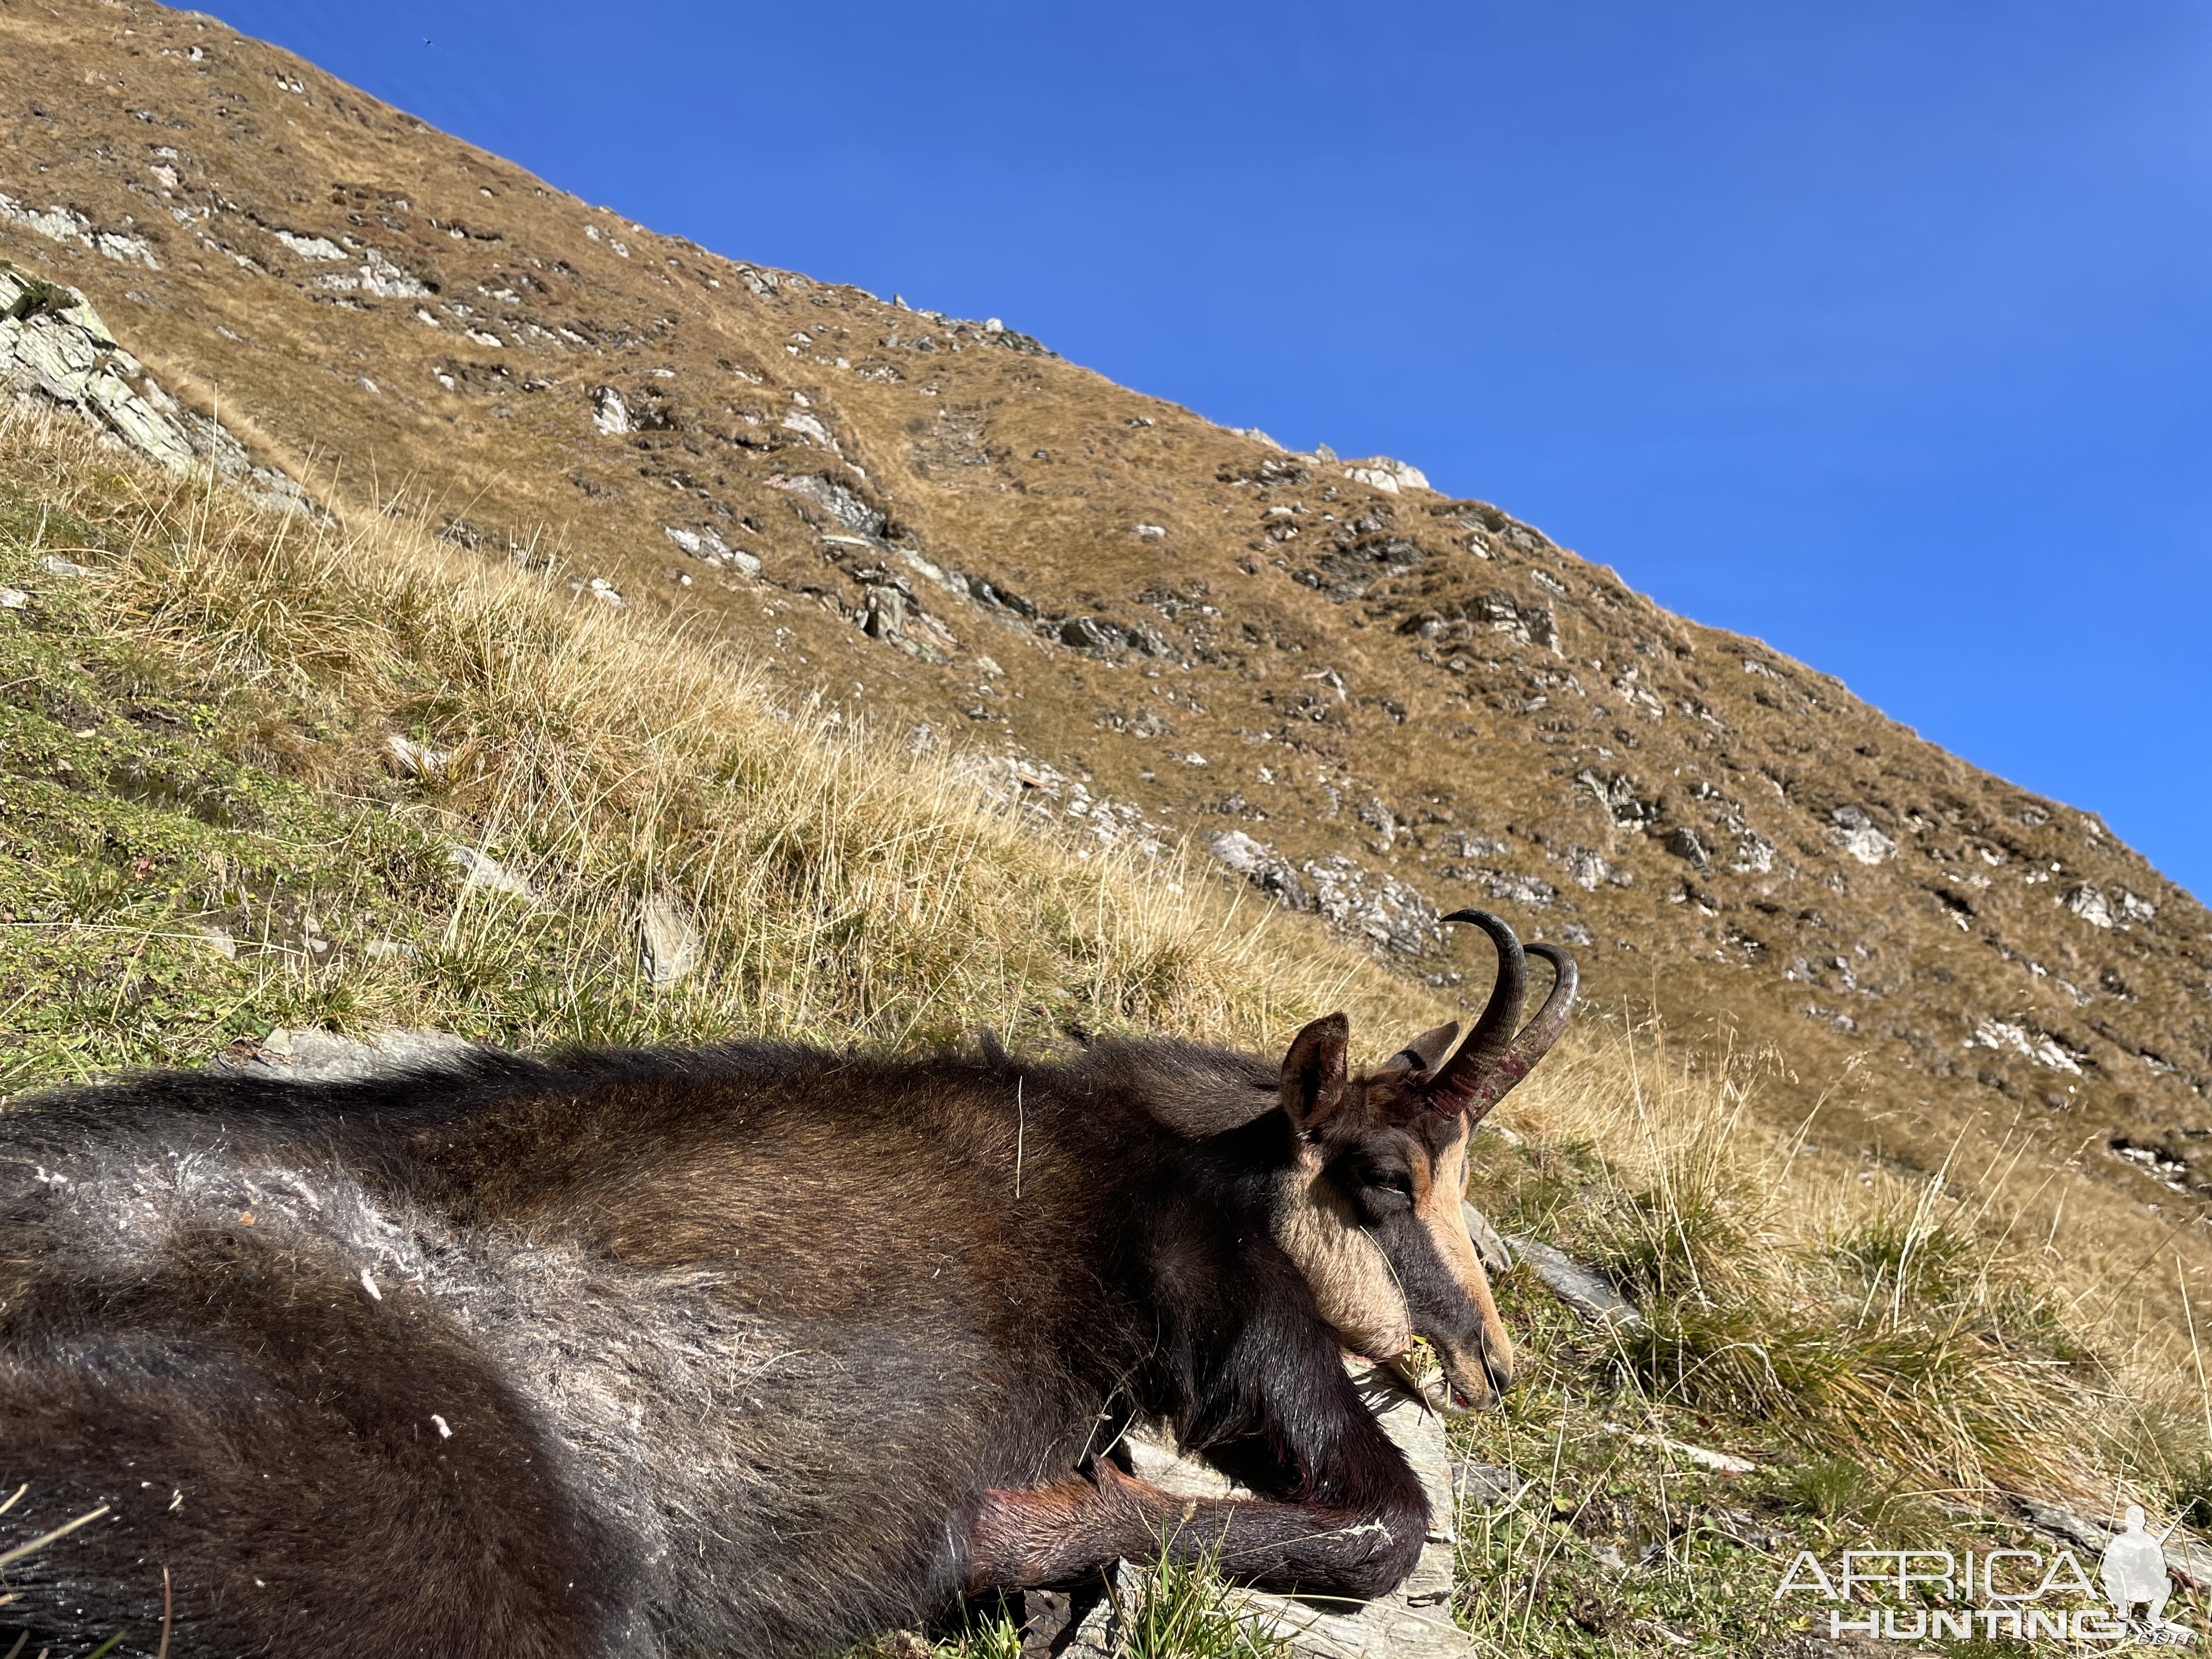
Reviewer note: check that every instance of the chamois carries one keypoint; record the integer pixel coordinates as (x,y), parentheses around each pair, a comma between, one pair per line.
(751,1349)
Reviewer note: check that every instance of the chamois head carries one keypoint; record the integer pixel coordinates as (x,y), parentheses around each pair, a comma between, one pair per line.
(1374,1219)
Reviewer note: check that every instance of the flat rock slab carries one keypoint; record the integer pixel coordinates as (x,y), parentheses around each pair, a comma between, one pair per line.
(1585,1290)
(1415,1620)
(326,1057)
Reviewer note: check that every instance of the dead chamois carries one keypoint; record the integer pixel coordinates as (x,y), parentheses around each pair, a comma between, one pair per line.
(754,1349)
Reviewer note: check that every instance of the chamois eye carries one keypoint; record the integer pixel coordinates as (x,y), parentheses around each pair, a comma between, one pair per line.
(1391,1181)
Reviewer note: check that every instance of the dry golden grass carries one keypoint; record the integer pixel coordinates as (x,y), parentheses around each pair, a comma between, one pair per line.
(843,889)
(1991,1329)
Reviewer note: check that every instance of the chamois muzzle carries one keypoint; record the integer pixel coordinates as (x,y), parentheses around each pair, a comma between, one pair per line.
(1495,1055)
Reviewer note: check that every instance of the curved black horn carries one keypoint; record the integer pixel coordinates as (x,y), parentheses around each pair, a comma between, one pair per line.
(1455,1084)
(1495,1056)
(1538,1035)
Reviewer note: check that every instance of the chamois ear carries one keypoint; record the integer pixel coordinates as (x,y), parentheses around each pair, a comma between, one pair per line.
(1425,1051)
(1314,1072)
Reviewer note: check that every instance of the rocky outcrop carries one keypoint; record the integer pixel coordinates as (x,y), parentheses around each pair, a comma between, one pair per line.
(56,353)
(1378,907)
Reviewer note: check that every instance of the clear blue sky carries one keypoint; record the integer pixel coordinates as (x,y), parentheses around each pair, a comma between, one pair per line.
(1880,331)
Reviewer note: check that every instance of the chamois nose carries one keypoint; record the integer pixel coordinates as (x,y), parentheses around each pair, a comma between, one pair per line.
(1500,1370)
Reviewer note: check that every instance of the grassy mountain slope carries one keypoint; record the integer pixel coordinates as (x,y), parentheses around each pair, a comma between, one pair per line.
(1407,703)
(207,831)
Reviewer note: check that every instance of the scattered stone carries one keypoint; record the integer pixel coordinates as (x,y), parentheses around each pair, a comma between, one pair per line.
(609,414)
(309,247)
(1517,889)
(219,939)
(1380,472)
(1487,1486)
(1522,620)
(1382,908)
(326,1057)
(1150,532)
(667,939)
(1583,1289)
(601,589)
(378,275)
(12,598)
(1089,634)
(1587,869)
(2090,904)
(1489,1243)
(482,870)
(1268,871)
(2006,1037)
(809,427)
(64,224)
(416,759)
(1683,842)
(54,565)
(1754,854)
(842,502)
(1858,838)
(1617,794)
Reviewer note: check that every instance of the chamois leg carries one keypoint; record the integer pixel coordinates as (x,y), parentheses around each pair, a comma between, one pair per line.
(1058,1534)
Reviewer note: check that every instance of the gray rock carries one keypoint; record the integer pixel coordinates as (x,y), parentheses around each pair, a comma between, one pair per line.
(326,1057)
(1489,1242)
(1522,620)
(1263,866)
(1412,1622)
(841,501)
(2090,904)
(65,224)
(668,939)
(1586,868)
(56,353)
(482,870)
(12,598)
(54,565)
(609,414)
(1617,794)
(1684,842)
(1858,838)
(1487,1486)
(1089,634)
(1382,473)
(1754,854)
(1583,1289)
(1382,908)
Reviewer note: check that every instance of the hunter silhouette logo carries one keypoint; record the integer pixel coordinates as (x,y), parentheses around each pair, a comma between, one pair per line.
(2134,1572)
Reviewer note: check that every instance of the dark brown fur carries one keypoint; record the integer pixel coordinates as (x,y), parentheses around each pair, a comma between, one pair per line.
(750,1350)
